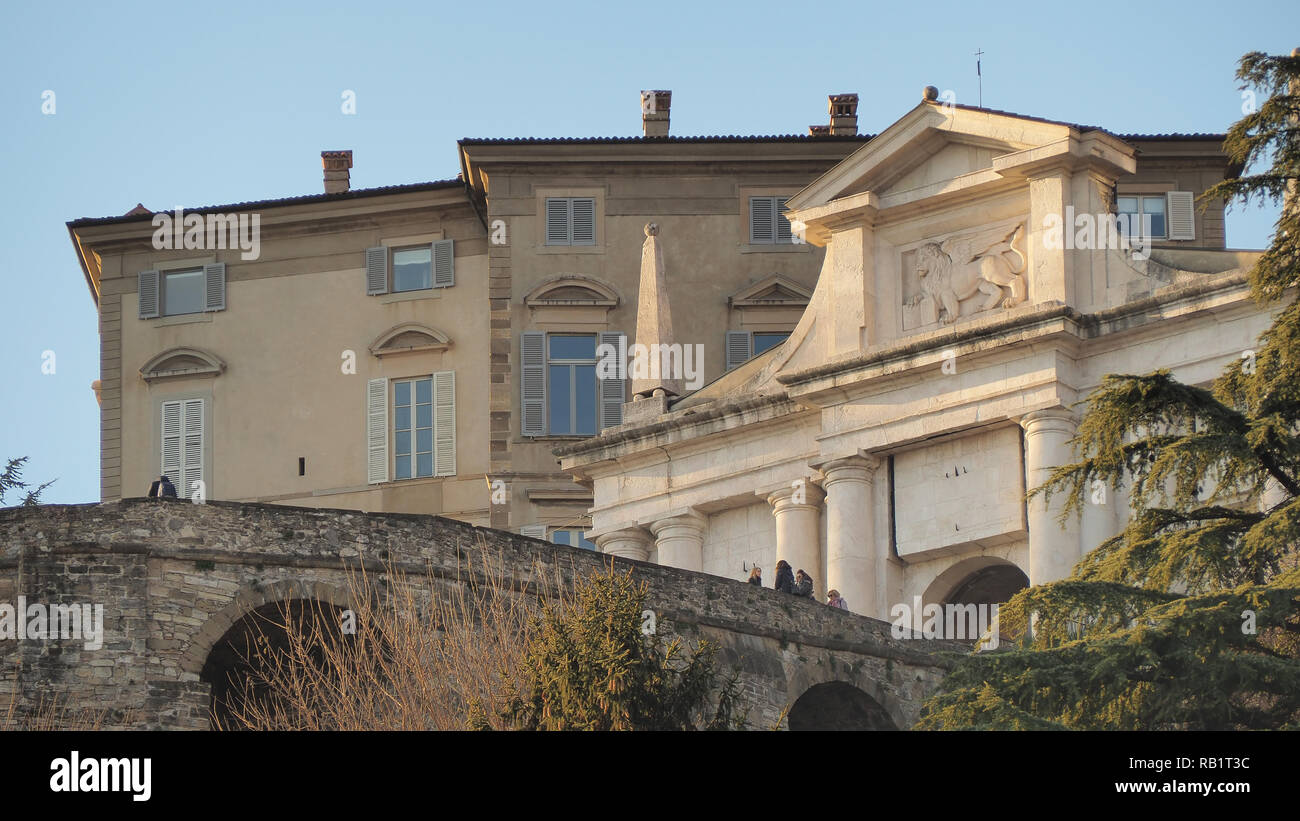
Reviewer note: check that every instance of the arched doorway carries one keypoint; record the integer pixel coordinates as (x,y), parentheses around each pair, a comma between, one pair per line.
(243,661)
(991,585)
(838,705)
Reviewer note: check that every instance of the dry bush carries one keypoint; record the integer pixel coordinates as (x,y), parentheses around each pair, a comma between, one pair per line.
(427,654)
(49,714)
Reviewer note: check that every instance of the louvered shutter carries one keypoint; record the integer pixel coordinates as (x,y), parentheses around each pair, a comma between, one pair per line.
(533,531)
(1181,209)
(532,389)
(172,435)
(444,264)
(613,390)
(214,286)
(148,294)
(557,221)
(444,423)
(762,216)
(377,431)
(192,450)
(583,221)
(740,346)
(376,270)
(783,234)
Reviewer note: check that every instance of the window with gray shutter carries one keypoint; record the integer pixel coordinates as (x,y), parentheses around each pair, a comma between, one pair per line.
(557,221)
(376,270)
(1182,214)
(613,385)
(767,225)
(740,347)
(583,220)
(214,286)
(532,389)
(444,423)
(444,264)
(182,445)
(533,531)
(148,294)
(377,431)
(570,221)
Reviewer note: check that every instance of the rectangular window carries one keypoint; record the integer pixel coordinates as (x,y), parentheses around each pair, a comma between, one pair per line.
(767,225)
(571,384)
(413,428)
(183,446)
(767,341)
(570,221)
(183,292)
(573,538)
(1144,213)
(413,268)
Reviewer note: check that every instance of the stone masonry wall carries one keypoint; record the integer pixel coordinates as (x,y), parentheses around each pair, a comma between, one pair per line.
(173,577)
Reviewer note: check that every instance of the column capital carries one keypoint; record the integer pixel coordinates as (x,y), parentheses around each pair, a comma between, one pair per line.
(1050,419)
(784,498)
(690,520)
(858,468)
(629,543)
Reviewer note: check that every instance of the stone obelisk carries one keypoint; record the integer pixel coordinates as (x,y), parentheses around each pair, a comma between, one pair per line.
(654,325)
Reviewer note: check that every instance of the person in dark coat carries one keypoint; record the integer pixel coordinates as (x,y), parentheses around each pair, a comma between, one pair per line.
(803,584)
(167,490)
(784,577)
(756,576)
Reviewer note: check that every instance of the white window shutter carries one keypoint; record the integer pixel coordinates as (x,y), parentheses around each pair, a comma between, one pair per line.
(532,389)
(376,270)
(584,221)
(172,436)
(444,264)
(762,219)
(1181,207)
(444,423)
(192,452)
(557,221)
(377,431)
(612,391)
(533,531)
(783,234)
(740,347)
(148,294)
(214,286)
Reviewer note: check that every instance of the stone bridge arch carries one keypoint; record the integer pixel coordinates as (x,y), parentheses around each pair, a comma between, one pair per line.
(249,599)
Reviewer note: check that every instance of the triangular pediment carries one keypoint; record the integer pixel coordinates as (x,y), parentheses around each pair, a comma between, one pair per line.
(930,145)
(775,290)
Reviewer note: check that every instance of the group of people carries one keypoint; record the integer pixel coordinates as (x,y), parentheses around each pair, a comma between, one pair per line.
(798,584)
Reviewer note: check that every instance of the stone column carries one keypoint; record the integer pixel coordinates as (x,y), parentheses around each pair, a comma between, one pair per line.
(1053,549)
(798,512)
(854,564)
(630,543)
(680,540)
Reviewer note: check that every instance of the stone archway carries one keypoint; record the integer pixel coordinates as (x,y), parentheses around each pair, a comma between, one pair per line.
(237,666)
(838,705)
(978,580)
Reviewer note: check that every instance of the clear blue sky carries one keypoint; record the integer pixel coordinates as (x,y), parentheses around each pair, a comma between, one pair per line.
(194,104)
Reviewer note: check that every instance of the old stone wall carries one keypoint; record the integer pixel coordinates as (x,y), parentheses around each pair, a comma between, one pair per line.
(173,577)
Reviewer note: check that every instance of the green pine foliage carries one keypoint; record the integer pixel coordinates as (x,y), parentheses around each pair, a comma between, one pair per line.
(11,479)
(590,666)
(1189,618)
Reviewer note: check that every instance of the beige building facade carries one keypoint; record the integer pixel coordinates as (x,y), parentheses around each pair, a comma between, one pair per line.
(422,348)
(976,287)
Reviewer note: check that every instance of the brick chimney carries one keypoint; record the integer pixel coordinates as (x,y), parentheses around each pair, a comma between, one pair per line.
(654,112)
(336,165)
(844,114)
